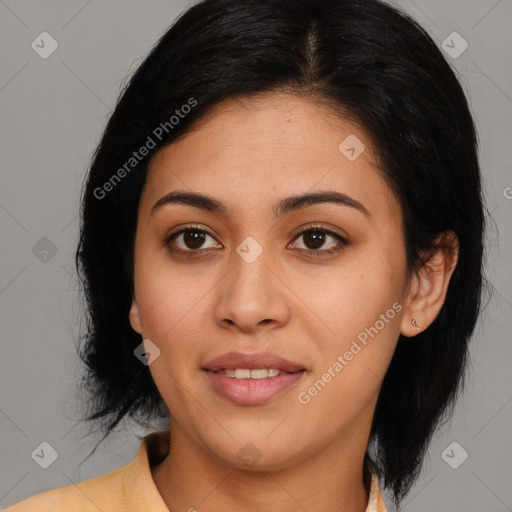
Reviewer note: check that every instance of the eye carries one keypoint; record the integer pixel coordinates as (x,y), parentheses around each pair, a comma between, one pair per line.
(316,236)
(188,240)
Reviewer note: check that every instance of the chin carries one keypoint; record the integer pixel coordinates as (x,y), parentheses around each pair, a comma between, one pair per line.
(255,453)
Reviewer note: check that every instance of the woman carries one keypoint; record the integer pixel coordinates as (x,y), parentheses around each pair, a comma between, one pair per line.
(281,249)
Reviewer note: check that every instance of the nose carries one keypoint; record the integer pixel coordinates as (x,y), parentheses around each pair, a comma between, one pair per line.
(252,297)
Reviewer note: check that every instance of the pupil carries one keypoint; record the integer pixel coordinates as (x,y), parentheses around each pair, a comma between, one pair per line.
(194,239)
(316,237)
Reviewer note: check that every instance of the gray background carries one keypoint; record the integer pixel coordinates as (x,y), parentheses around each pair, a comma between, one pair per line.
(52,114)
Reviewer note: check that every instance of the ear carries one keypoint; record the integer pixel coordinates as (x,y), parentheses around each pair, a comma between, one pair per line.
(134,316)
(429,284)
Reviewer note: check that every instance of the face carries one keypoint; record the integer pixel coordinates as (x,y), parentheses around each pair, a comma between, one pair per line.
(273,342)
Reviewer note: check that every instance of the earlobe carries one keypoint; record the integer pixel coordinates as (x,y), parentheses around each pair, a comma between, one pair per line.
(134,317)
(429,285)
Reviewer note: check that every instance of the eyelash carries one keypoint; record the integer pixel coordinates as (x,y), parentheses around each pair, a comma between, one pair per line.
(317,253)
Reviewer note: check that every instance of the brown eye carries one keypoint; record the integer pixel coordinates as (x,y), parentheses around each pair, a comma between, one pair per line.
(316,237)
(193,239)
(318,241)
(189,239)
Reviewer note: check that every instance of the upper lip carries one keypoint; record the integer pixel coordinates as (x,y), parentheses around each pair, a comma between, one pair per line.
(233,360)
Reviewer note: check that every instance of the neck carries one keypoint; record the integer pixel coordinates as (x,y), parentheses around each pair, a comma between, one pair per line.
(331,480)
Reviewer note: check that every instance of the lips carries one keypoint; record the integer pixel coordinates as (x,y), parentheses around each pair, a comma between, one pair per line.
(262,360)
(237,377)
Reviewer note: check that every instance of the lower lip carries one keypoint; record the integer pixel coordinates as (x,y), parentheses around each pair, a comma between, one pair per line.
(252,391)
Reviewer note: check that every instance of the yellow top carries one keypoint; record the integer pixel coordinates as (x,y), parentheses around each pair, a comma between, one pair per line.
(130,488)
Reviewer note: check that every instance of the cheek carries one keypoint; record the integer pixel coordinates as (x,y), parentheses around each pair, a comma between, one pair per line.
(362,309)
(352,299)
(169,305)
(168,295)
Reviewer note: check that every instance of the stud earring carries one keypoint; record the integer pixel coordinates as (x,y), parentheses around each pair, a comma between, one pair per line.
(415,324)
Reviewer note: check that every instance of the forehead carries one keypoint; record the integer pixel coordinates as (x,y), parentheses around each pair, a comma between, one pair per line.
(269,125)
(247,149)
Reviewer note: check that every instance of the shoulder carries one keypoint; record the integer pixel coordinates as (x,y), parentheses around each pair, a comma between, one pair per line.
(90,495)
(376,501)
(129,488)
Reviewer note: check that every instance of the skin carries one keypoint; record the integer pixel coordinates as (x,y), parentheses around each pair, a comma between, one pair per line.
(249,153)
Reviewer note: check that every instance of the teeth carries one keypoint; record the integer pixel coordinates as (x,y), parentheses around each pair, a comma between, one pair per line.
(242,374)
(245,373)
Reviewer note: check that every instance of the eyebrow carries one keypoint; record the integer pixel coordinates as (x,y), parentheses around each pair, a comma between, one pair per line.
(284,206)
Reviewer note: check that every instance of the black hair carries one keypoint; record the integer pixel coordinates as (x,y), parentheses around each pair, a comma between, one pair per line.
(370,63)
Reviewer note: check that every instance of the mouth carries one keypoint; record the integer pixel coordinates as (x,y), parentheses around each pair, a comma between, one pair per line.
(252,379)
